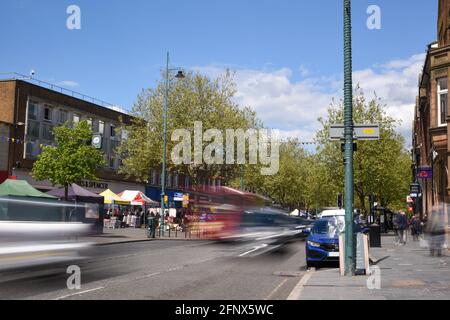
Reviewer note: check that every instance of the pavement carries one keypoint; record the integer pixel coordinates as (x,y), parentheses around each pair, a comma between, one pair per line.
(125,235)
(400,273)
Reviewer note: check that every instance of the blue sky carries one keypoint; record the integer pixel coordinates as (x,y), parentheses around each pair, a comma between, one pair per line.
(121,46)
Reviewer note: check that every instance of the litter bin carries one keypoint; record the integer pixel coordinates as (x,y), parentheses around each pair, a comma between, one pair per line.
(375,236)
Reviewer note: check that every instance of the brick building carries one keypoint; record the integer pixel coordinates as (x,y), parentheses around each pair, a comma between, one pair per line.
(30,109)
(431,136)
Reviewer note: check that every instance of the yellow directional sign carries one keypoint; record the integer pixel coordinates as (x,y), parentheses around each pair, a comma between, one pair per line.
(360,132)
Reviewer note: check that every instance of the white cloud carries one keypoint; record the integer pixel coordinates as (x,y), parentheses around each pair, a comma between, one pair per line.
(292,107)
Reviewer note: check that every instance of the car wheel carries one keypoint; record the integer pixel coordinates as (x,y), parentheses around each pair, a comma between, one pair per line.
(310,264)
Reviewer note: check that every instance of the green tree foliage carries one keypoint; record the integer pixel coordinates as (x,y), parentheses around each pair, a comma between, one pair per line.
(194,98)
(382,167)
(73,158)
(313,180)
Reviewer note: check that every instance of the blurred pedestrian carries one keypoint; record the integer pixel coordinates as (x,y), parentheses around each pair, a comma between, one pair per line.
(402,225)
(436,232)
(416,227)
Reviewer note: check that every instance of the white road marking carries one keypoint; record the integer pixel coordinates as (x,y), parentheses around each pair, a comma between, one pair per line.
(78,293)
(253,250)
(297,291)
(276,289)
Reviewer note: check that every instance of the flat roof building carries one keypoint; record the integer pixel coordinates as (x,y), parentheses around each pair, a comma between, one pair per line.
(30,109)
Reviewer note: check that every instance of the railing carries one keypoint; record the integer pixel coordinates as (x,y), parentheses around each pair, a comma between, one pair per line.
(54,87)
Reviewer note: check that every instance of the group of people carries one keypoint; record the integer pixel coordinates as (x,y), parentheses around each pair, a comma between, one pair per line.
(138,217)
(432,230)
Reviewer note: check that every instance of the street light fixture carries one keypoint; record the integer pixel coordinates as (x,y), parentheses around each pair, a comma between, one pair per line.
(180,75)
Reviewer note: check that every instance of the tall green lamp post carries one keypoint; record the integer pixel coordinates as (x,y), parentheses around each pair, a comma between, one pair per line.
(348,136)
(179,75)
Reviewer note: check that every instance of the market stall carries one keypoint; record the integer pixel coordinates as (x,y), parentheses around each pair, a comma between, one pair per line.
(140,202)
(19,201)
(114,202)
(93,203)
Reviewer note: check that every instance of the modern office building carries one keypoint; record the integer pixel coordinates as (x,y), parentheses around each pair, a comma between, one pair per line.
(30,109)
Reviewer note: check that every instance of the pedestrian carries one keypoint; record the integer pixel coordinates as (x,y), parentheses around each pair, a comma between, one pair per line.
(435,229)
(152,226)
(402,226)
(416,227)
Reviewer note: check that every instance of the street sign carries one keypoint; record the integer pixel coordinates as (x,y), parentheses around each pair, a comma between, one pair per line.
(425,173)
(414,188)
(360,132)
(178,196)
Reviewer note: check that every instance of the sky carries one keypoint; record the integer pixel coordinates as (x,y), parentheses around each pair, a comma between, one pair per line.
(287,54)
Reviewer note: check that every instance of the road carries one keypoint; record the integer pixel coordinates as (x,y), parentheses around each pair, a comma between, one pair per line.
(169,270)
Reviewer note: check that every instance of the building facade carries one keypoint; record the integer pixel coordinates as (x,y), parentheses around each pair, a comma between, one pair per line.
(28,114)
(431,135)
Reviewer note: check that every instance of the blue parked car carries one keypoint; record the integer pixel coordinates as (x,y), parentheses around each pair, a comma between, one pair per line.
(322,244)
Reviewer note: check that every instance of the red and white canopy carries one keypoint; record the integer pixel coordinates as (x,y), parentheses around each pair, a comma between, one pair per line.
(136,198)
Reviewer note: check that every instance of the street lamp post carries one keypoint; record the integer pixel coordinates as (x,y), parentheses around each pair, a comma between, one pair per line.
(179,75)
(348,136)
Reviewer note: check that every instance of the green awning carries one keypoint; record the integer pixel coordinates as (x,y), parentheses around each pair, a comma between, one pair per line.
(21,188)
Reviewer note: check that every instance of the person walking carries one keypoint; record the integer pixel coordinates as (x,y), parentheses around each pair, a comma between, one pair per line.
(402,225)
(416,227)
(436,232)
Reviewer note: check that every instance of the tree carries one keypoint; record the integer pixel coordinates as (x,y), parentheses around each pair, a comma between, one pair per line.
(382,167)
(73,158)
(195,98)
(287,187)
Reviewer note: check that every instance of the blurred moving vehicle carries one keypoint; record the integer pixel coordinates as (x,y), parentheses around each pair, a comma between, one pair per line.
(37,231)
(226,214)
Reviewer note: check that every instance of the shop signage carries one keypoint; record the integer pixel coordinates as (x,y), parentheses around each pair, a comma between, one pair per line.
(425,173)
(93,184)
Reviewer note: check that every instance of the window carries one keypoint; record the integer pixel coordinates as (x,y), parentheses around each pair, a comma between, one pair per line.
(33,129)
(113,131)
(89,121)
(30,150)
(95,126)
(63,116)
(442,101)
(48,113)
(101,127)
(124,134)
(47,130)
(76,119)
(33,109)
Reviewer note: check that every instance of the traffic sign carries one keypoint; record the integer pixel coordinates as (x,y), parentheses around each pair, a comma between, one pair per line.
(360,132)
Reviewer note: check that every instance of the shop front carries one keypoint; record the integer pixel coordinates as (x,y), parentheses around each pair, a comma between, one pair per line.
(95,186)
